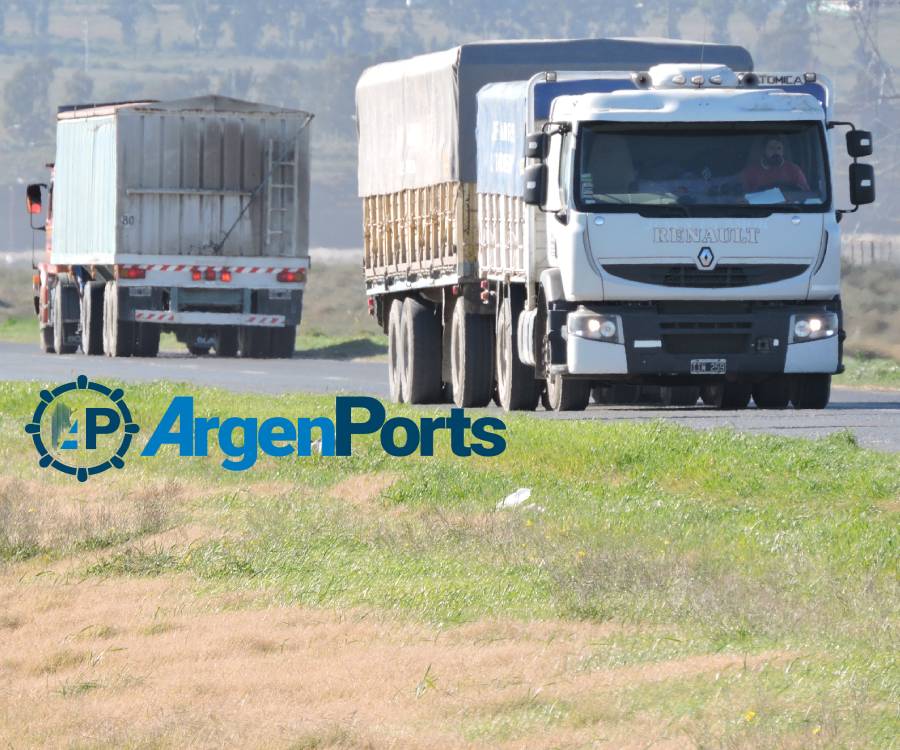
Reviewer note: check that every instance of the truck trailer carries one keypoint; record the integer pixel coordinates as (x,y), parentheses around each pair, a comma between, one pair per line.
(546,218)
(189,216)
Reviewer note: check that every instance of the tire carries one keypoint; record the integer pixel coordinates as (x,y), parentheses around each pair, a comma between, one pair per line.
(735,396)
(92,318)
(62,298)
(774,393)
(45,339)
(227,342)
(396,376)
(567,394)
(711,395)
(679,395)
(420,352)
(471,357)
(118,335)
(811,392)
(146,342)
(255,342)
(283,341)
(517,389)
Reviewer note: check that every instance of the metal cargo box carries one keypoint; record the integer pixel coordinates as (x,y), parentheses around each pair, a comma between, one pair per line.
(209,176)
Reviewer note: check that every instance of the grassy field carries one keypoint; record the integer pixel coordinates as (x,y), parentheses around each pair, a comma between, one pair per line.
(678,589)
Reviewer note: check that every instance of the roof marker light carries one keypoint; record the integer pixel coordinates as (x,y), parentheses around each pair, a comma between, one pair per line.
(697,80)
(679,79)
(809,77)
(716,80)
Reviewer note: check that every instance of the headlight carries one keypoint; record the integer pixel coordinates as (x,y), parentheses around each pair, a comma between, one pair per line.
(813,326)
(596,326)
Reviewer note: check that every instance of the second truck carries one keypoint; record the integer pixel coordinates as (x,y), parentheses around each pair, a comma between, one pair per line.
(189,216)
(546,218)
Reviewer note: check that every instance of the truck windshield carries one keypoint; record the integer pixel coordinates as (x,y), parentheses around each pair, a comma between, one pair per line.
(691,168)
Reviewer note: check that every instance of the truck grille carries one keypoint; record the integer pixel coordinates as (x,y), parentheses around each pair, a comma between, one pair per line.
(706,343)
(688,275)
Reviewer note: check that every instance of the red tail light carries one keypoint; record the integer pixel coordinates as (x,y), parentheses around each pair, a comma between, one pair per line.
(225,274)
(195,274)
(291,276)
(132,272)
(210,274)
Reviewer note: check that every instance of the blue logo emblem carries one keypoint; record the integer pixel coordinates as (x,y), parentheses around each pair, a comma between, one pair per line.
(82,428)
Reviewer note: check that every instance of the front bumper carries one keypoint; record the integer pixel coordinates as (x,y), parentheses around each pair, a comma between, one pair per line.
(661,339)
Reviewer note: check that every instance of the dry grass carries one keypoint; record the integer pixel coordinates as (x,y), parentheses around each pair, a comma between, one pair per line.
(34,520)
(144,662)
(871,296)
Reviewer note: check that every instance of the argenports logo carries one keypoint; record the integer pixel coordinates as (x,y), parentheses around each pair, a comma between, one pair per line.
(82,428)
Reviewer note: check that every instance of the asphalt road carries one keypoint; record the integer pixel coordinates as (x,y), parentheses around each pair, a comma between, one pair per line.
(872,415)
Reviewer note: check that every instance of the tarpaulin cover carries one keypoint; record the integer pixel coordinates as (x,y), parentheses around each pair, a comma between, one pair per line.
(416,117)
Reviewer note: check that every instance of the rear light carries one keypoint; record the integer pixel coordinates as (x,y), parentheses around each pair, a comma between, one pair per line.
(225,274)
(36,279)
(210,274)
(131,272)
(454,290)
(289,277)
(195,274)
(371,303)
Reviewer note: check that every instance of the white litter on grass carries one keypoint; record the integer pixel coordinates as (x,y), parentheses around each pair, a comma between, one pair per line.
(316,447)
(515,499)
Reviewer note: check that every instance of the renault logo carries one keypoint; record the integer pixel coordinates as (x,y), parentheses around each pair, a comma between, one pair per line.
(705,257)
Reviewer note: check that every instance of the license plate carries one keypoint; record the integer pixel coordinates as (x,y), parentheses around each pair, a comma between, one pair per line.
(707,367)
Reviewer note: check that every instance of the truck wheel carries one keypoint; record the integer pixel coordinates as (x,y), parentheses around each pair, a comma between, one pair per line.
(45,340)
(516,387)
(64,297)
(471,357)
(679,395)
(420,351)
(396,376)
(92,318)
(227,342)
(811,392)
(283,341)
(711,395)
(774,393)
(735,396)
(255,342)
(118,335)
(146,339)
(567,394)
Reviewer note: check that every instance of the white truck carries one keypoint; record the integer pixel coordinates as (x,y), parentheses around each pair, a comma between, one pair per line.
(190,216)
(669,225)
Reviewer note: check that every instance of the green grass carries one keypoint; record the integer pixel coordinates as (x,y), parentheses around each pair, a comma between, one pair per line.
(870,371)
(19,330)
(704,541)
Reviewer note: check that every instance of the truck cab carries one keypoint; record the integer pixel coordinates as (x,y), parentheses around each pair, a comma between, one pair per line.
(686,233)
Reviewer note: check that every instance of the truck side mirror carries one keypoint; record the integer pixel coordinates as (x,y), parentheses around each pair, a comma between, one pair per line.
(535,192)
(33,198)
(862,184)
(859,143)
(536,146)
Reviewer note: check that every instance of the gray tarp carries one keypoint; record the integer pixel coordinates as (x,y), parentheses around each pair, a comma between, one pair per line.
(416,117)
